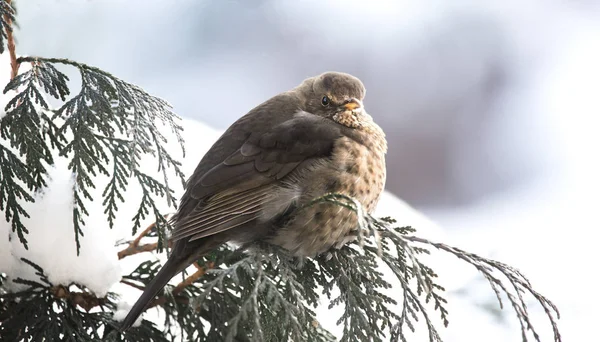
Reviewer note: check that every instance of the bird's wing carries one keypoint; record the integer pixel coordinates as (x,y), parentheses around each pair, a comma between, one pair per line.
(232,192)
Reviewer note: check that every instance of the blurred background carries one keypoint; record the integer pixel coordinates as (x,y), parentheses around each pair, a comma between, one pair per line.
(490,107)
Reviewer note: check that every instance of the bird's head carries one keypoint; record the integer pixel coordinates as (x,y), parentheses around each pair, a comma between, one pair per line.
(337,96)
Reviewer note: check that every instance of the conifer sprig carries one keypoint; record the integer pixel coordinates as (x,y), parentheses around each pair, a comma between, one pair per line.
(105,129)
(263,294)
(43,312)
(260,293)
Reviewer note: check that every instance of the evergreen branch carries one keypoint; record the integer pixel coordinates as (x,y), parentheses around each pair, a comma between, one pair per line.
(151,187)
(15,180)
(516,279)
(200,271)
(22,125)
(51,132)
(119,180)
(38,271)
(367,310)
(263,284)
(261,293)
(137,114)
(26,126)
(7,16)
(111,125)
(406,265)
(43,312)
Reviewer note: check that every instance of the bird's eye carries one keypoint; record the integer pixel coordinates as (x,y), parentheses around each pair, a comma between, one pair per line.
(325,101)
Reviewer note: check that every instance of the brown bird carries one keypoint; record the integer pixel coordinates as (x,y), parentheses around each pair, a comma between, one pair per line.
(255,180)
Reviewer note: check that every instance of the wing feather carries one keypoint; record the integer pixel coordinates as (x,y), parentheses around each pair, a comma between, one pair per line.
(234,191)
(238,223)
(213,214)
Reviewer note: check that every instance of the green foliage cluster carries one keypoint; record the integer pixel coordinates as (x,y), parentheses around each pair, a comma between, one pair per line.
(261,293)
(37,314)
(104,129)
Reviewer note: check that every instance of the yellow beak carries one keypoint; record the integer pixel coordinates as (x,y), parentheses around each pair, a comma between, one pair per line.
(352,105)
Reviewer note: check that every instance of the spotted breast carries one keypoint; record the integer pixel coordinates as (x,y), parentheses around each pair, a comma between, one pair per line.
(357,169)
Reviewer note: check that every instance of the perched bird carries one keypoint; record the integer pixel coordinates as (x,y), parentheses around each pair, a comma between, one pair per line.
(254,182)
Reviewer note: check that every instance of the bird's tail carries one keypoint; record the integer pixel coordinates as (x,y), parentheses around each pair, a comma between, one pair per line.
(169,270)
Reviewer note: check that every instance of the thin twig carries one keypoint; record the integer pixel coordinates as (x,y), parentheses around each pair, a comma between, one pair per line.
(85,300)
(134,246)
(127,282)
(148,247)
(201,270)
(10,42)
(193,277)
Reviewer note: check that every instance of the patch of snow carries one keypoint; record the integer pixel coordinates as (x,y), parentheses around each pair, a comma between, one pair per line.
(123,308)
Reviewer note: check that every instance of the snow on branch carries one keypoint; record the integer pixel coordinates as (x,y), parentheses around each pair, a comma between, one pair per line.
(105,129)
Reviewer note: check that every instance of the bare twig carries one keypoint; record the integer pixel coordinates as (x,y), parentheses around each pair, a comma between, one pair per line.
(193,277)
(85,300)
(148,247)
(14,65)
(201,270)
(132,284)
(135,247)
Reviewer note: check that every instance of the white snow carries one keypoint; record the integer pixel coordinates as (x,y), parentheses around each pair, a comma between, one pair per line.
(123,308)
(52,245)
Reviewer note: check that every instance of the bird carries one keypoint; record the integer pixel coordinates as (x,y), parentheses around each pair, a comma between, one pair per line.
(255,182)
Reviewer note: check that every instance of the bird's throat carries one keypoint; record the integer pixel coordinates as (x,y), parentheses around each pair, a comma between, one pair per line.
(348,119)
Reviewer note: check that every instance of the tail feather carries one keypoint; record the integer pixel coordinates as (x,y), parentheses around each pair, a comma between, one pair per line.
(168,271)
(182,255)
